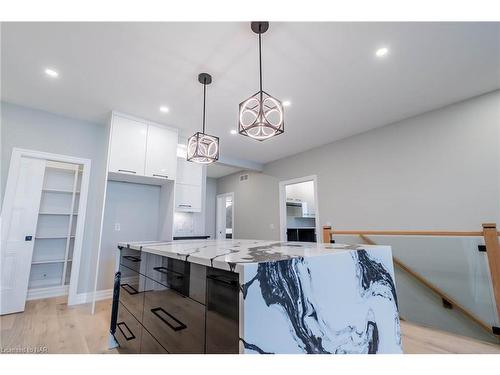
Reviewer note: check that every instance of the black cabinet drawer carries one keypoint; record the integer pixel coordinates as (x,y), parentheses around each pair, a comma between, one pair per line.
(149,345)
(222,314)
(176,321)
(128,332)
(131,259)
(132,286)
(172,273)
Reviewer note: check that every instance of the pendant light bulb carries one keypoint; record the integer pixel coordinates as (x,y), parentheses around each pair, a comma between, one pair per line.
(261,116)
(203,148)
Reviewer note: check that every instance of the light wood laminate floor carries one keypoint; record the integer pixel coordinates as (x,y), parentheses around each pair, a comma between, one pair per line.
(52,324)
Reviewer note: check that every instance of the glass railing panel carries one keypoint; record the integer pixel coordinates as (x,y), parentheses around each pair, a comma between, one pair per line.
(452,264)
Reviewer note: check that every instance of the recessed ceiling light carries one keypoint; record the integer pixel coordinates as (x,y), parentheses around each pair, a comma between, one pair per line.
(381,52)
(287,103)
(233,131)
(51,73)
(164,109)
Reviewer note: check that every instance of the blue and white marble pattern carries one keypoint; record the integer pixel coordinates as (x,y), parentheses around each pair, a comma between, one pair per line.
(298,297)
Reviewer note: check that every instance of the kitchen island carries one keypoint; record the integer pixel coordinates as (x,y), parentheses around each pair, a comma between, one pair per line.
(247,296)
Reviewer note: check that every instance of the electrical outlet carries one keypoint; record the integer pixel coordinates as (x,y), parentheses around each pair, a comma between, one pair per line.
(117,227)
(271,226)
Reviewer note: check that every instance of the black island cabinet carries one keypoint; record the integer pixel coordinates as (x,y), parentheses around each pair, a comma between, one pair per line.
(167,305)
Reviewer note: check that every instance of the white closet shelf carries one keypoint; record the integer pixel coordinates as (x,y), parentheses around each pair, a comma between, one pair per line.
(62,168)
(56,213)
(50,261)
(64,191)
(51,237)
(44,283)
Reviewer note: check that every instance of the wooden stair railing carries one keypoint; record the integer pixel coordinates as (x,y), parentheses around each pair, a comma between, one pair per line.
(491,241)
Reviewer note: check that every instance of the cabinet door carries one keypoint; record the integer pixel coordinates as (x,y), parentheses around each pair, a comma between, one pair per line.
(128,332)
(161,153)
(149,345)
(187,198)
(222,312)
(176,321)
(132,291)
(189,173)
(128,146)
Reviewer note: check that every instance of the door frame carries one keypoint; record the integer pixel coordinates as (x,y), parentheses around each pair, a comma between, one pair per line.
(217,220)
(282,202)
(17,154)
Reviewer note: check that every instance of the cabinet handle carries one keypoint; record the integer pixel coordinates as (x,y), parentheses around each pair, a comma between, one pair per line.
(180,326)
(160,175)
(132,259)
(129,289)
(166,271)
(126,171)
(184,205)
(223,280)
(131,337)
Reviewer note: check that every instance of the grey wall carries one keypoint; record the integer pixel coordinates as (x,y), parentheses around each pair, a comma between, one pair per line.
(438,170)
(256,206)
(42,131)
(211,191)
(136,207)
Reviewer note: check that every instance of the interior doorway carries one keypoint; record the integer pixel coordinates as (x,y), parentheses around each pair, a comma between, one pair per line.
(42,237)
(225,216)
(299,213)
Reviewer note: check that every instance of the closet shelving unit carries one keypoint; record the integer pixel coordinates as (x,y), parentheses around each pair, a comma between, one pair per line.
(54,238)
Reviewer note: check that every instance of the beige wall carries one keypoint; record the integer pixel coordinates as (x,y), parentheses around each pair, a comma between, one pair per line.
(438,170)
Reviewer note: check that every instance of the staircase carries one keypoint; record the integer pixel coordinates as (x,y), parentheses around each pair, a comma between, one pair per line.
(445,280)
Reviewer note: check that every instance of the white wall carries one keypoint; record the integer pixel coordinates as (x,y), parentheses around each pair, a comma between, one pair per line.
(42,131)
(438,170)
(136,208)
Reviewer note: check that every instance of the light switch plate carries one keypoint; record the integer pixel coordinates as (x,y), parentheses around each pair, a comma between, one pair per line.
(117,227)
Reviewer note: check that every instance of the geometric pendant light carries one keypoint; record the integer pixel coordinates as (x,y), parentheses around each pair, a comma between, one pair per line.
(201,147)
(261,116)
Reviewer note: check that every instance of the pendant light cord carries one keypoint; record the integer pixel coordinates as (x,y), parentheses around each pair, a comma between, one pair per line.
(260,60)
(204,99)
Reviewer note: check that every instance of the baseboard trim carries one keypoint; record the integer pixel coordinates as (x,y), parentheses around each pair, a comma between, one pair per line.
(50,292)
(87,297)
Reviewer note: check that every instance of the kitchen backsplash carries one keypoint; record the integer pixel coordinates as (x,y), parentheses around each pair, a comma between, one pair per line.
(183,223)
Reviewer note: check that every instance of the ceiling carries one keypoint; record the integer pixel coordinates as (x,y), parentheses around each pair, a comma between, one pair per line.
(217,170)
(329,71)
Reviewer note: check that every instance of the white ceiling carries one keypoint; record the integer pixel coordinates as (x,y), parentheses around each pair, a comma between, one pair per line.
(328,70)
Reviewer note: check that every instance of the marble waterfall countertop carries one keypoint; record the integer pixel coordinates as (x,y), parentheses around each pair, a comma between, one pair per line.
(233,255)
(299,297)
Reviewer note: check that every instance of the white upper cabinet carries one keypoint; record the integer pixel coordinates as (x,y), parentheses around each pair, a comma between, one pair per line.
(187,198)
(188,186)
(141,148)
(189,173)
(128,146)
(161,152)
